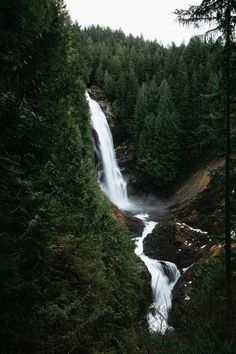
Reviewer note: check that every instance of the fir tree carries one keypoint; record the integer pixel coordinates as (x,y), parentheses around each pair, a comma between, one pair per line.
(159,160)
(223,15)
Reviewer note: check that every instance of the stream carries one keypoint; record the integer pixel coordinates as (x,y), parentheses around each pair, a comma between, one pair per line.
(164,274)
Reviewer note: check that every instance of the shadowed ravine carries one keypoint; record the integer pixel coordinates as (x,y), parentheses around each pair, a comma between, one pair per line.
(113,184)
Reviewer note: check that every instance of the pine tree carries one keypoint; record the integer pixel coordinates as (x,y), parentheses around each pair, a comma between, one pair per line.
(108,85)
(166,135)
(143,149)
(141,110)
(132,93)
(159,159)
(223,14)
(67,266)
(99,75)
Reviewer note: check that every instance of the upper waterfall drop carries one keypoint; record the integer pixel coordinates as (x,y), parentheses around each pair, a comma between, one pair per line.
(113,183)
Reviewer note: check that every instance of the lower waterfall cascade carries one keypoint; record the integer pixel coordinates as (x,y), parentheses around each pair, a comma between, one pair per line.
(161,284)
(114,186)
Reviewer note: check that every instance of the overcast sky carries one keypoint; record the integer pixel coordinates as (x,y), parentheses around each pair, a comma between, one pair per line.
(152,18)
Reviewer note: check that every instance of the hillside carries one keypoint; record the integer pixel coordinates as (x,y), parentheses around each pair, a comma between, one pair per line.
(93,251)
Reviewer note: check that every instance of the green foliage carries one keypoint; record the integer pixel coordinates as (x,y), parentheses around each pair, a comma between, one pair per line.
(68,272)
(159,160)
(204,314)
(119,65)
(200,344)
(141,110)
(131,70)
(67,268)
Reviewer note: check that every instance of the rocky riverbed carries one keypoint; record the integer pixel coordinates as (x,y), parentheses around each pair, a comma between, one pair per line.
(187,222)
(185,234)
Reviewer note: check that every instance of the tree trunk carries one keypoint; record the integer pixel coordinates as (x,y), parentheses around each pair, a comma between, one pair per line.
(227,176)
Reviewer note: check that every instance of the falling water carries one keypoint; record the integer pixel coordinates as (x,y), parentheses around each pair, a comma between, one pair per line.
(113,183)
(163,274)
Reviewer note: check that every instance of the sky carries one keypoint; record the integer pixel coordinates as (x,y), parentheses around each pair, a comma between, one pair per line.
(154,19)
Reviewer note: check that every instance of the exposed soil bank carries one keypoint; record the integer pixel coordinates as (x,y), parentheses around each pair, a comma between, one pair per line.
(185,234)
(186,231)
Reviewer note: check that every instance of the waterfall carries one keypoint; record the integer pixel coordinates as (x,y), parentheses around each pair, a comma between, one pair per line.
(111,180)
(163,274)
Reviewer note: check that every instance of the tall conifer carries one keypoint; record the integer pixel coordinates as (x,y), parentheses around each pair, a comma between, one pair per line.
(221,14)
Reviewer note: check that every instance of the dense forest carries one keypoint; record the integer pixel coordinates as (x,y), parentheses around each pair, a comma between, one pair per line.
(67,265)
(68,273)
(171,97)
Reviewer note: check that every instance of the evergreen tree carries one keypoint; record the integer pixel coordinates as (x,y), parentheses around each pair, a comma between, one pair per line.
(108,85)
(166,135)
(132,93)
(223,14)
(159,160)
(99,75)
(141,110)
(187,69)
(67,266)
(143,149)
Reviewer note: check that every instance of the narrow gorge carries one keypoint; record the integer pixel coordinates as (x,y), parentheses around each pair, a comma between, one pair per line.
(117,183)
(164,274)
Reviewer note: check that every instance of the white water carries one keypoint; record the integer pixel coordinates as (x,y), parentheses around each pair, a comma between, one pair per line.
(113,183)
(161,284)
(115,187)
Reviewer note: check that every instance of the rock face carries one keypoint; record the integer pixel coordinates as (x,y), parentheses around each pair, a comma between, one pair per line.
(176,242)
(135,227)
(125,159)
(98,95)
(146,292)
(181,235)
(177,237)
(180,296)
(136,180)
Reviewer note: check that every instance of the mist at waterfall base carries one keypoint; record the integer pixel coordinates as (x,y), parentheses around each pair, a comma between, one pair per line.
(110,178)
(163,274)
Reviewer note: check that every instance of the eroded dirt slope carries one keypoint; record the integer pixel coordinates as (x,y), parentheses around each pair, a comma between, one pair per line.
(195,184)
